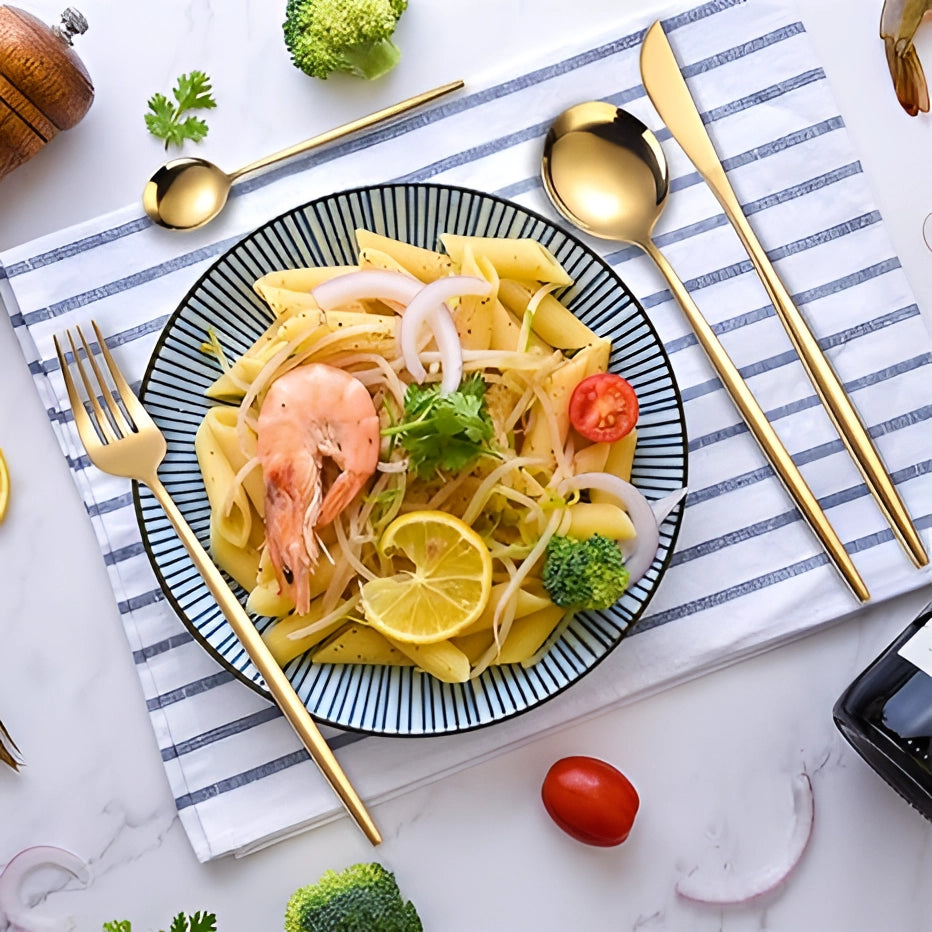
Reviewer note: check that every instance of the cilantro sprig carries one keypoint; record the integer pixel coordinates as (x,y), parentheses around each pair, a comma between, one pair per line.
(164,119)
(444,432)
(199,922)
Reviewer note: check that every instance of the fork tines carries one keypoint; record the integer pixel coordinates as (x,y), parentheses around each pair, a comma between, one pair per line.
(111,399)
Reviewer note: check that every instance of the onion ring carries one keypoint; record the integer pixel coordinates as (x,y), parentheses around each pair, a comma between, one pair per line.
(722,890)
(640,552)
(427,306)
(366,284)
(12,907)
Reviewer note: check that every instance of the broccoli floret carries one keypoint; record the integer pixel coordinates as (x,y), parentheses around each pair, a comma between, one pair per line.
(353,36)
(362,898)
(584,574)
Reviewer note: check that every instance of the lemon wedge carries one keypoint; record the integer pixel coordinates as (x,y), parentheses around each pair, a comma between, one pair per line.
(441,583)
(4,486)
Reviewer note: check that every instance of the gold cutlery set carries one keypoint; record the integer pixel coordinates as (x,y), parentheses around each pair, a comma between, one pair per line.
(606,173)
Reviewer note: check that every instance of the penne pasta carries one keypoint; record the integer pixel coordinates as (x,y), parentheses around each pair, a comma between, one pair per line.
(618,462)
(528,633)
(553,322)
(607,519)
(299,280)
(443,660)
(358,643)
(230,506)
(520,259)
(424,264)
(293,635)
(544,434)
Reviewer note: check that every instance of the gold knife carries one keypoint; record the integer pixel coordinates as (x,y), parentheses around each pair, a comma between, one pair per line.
(671,98)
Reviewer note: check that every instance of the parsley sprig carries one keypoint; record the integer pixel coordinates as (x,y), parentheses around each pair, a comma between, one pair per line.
(444,432)
(191,92)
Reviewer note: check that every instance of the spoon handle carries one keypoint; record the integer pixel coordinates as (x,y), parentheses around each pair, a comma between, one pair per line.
(380,116)
(761,428)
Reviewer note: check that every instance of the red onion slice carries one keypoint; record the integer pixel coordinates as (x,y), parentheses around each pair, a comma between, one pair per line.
(640,552)
(12,908)
(428,307)
(372,284)
(723,889)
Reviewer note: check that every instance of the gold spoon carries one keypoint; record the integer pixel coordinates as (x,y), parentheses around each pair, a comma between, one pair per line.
(187,193)
(605,171)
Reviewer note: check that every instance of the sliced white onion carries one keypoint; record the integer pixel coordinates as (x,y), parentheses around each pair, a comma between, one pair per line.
(451,352)
(428,307)
(722,889)
(372,284)
(640,552)
(392,466)
(12,908)
(663,506)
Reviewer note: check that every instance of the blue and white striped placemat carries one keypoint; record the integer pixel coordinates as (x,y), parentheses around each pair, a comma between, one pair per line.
(747,574)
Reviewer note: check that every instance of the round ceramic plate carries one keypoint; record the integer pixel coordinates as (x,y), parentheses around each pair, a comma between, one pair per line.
(380,699)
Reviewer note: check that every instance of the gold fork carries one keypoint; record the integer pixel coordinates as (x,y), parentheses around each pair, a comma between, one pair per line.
(127,442)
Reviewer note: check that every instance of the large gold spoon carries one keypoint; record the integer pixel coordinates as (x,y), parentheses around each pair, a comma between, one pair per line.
(606,173)
(188,192)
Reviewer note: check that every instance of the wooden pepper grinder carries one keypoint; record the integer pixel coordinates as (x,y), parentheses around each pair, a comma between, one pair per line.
(44,87)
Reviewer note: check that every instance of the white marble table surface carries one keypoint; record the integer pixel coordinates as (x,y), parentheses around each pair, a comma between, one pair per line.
(475,851)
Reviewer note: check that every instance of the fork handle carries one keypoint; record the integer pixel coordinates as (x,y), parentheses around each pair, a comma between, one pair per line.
(280,687)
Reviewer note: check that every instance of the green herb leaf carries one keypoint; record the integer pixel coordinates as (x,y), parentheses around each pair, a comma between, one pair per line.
(193,92)
(199,922)
(164,119)
(444,432)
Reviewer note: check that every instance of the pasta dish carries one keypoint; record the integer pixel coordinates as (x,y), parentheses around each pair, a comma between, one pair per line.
(424,460)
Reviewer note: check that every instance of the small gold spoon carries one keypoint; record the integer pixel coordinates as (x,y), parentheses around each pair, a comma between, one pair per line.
(605,171)
(187,193)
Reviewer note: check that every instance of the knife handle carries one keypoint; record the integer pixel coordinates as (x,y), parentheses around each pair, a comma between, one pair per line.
(761,429)
(826,383)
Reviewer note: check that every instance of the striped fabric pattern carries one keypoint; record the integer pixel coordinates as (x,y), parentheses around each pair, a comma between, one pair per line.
(747,573)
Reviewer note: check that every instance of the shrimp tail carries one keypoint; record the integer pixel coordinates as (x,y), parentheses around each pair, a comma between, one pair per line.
(908,78)
(340,494)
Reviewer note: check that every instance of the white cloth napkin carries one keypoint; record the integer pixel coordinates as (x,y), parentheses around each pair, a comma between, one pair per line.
(747,574)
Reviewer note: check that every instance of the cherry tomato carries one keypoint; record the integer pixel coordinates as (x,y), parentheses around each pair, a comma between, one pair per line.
(590,800)
(604,407)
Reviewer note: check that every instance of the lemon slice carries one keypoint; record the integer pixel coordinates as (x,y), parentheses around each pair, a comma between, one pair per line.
(4,486)
(442,584)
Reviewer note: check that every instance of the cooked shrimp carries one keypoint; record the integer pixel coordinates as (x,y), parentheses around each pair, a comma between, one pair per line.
(311,413)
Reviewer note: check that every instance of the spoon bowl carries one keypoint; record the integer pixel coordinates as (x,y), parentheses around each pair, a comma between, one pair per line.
(186,193)
(606,173)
